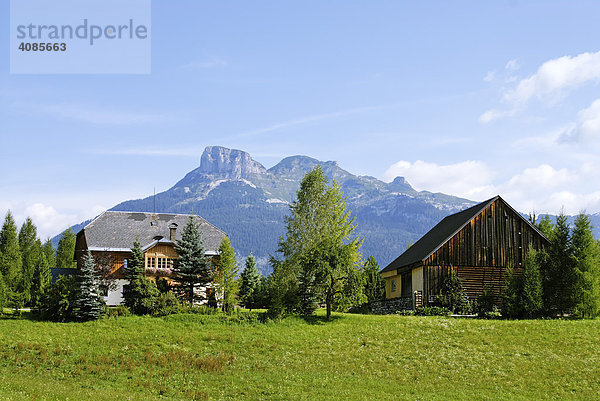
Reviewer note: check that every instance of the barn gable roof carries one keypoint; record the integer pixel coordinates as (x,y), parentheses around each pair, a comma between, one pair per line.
(117,231)
(441,233)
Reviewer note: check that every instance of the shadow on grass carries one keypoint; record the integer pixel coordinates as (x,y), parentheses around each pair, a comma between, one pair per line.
(319,319)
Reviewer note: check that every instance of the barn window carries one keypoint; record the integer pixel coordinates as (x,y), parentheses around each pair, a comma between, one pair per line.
(393,285)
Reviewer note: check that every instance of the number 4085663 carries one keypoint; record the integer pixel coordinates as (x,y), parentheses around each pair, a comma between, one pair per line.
(42,47)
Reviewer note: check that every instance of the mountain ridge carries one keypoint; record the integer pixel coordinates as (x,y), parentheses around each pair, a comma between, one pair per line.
(248,201)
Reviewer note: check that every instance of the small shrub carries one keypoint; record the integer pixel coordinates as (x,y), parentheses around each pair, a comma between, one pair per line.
(112,312)
(432,311)
(58,302)
(453,296)
(166,304)
(406,312)
(486,302)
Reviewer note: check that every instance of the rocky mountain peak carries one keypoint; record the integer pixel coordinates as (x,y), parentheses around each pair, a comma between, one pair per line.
(231,163)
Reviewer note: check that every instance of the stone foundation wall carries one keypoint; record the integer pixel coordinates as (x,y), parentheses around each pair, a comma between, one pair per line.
(391,306)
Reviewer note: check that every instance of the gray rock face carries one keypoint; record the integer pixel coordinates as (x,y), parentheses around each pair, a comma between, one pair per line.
(230,163)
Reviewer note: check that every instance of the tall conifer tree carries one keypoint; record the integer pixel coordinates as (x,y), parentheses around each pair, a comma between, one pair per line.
(10,255)
(49,252)
(250,283)
(65,252)
(374,283)
(30,248)
(191,269)
(559,278)
(88,304)
(586,254)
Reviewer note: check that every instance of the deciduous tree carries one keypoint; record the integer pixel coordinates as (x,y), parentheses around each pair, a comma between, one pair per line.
(320,253)
(227,281)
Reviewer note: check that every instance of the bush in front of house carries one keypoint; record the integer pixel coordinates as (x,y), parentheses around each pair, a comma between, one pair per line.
(59,300)
(453,295)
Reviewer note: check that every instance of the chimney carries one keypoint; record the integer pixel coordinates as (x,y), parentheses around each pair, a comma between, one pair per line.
(173,232)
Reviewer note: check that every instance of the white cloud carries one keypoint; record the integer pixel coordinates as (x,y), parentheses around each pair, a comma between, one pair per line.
(512,65)
(542,188)
(469,179)
(557,76)
(489,77)
(47,219)
(494,114)
(587,127)
(552,81)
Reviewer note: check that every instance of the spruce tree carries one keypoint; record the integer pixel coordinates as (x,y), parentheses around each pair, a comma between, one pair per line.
(192,268)
(49,253)
(250,282)
(545,226)
(530,296)
(88,304)
(227,275)
(65,252)
(135,264)
(586,254)
(511,295)
(559,277)
(30,248)
(3,294)
(374,283)
(10,255)
(40,282)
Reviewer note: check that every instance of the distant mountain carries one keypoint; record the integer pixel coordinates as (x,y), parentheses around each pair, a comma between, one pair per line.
(249,202)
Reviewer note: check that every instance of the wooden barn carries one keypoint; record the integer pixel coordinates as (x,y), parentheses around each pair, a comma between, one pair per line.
(480,243)
(111,235)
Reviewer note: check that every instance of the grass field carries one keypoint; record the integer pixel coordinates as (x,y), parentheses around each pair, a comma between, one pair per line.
(354,357)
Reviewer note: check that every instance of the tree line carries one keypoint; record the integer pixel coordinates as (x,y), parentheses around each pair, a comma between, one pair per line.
(319,264)
(25,263)
(564,279)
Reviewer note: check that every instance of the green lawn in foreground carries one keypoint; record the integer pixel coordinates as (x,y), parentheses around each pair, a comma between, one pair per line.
(354,357)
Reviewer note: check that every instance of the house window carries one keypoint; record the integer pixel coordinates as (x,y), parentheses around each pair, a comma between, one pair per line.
(393,285)
(125,263)
(151,263)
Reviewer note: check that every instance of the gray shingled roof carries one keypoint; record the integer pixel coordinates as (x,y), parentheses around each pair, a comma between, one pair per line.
(118,230)
(437,236)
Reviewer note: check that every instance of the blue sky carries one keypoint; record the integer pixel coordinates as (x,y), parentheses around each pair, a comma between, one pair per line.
(468,98)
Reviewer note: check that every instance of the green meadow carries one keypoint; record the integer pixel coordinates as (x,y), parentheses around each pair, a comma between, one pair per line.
(353,357)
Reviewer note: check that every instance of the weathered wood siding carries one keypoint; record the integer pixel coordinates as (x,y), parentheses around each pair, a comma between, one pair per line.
(481,251)
(497,237)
